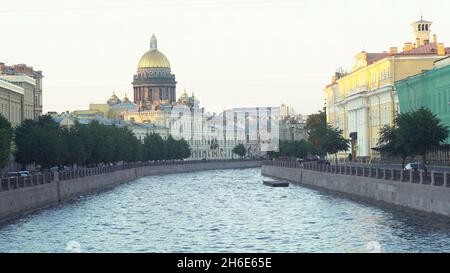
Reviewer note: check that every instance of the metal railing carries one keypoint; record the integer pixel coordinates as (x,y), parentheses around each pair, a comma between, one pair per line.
(10,183)
(438,179)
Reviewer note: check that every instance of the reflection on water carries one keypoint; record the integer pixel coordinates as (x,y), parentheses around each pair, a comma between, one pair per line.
(221,211)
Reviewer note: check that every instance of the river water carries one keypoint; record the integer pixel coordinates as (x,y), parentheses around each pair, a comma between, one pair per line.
(222,211)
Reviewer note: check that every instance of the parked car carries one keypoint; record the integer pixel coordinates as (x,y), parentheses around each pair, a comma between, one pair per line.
(24,173)
(323,162)
(12,174)
(17,174)
(415,167)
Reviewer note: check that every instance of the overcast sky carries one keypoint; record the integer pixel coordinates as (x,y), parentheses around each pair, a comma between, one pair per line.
(229,52)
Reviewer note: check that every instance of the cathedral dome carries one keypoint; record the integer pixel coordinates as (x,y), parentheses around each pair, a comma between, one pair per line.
(113,100)
(153,58)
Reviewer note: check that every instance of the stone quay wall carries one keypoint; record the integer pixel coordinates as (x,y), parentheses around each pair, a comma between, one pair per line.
(426,192)
(22,195)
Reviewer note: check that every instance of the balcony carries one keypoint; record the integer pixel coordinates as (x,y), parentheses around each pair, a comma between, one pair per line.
(358,89)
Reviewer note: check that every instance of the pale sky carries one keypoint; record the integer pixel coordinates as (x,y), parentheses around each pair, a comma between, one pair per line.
(229,52)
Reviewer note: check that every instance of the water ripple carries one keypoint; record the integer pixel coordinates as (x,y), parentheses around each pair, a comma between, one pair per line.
(221,211)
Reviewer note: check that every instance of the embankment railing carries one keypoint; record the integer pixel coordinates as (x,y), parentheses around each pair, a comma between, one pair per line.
(10,183)
(438,179)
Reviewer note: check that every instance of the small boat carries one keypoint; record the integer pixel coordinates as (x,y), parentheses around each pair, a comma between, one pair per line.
(276,184)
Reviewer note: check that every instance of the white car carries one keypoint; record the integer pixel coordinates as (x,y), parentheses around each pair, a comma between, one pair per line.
(414,166)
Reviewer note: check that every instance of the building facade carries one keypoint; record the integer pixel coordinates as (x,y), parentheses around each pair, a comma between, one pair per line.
(364,100)
(11,99)
(430,89)
(292,129)
(30,83)
(22,69)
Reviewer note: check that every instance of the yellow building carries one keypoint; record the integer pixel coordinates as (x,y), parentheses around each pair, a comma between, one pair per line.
(362,101)
(114,109)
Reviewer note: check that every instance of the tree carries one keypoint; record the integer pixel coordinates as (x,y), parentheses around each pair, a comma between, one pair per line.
(240,150)
(99,142)
(43,142)
(171,148)
(297,149)
(6,135)
(325,138)
(73,150)
(154,147)
(333,142)
(390,144)
(38,142)
(176,149)
(184,149)
(126,146)
(134,148)
(316,126)
(420,131)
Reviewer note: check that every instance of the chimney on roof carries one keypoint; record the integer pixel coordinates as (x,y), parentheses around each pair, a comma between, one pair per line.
(441,49)
(435,39)
(393,50)
(417,45)
(408,47)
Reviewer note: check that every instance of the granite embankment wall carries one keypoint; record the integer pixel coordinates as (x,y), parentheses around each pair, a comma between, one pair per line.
(19,196)
(424,192)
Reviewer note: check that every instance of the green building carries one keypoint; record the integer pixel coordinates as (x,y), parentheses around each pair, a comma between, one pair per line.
(430,89)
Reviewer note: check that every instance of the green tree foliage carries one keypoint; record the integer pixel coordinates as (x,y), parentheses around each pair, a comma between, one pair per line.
(44,143)
(240,150)
(390,144)
(316,125)
(325,138)
(154,147)
(297,149)
(184,149)
(72,147)
(171,148)
(38,142)
(6,135)
(415,133)
(332,142)
(126,146)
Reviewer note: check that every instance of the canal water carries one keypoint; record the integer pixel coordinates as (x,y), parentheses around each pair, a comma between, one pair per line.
(221,211)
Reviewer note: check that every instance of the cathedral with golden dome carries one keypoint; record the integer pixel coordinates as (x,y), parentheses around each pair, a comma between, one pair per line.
(154,84)
(156,109)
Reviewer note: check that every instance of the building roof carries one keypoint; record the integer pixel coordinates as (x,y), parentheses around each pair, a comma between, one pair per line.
(9,86)
(428,49)
(153,58)
(421,21)
(128,106)
(19,78)
(375,57)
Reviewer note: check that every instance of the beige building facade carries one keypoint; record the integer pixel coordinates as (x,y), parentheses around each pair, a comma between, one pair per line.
(26,83)
(362,101)
(11,98)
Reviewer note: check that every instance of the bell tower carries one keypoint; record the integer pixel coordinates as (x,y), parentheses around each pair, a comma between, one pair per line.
(422,32)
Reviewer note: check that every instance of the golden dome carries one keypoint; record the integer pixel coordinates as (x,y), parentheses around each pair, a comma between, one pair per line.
(153,58)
